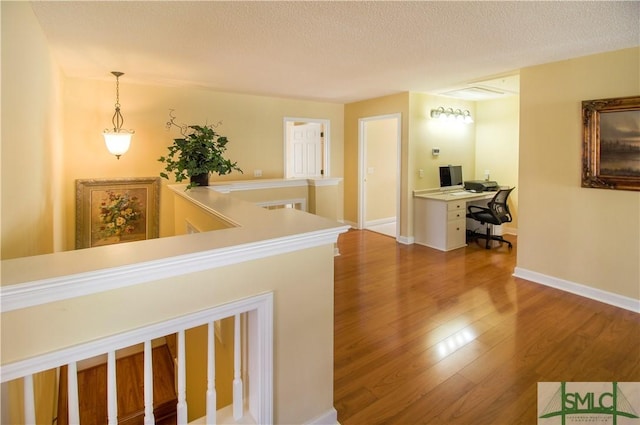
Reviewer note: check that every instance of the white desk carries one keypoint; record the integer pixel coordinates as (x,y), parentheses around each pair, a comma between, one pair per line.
(439,218)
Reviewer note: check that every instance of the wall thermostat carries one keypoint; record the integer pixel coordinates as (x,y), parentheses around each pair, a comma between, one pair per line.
(435,151)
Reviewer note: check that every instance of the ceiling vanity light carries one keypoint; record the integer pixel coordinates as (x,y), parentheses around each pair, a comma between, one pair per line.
(117,139)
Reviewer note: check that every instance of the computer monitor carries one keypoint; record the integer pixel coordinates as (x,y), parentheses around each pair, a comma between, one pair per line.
(450,175)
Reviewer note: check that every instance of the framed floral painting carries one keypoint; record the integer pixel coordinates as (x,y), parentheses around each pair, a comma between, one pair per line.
(111,211)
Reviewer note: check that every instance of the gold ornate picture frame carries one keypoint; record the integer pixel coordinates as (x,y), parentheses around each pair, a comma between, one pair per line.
(111,211)
(611,143)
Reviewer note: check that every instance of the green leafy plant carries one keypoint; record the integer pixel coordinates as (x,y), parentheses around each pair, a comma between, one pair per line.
(199,152)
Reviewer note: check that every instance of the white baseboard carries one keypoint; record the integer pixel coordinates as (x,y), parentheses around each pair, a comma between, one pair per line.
(406,240)
(353,224)
(579,289)
(330,417)
(380,221)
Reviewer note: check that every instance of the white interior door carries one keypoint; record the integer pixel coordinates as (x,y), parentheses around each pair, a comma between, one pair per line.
(305,150)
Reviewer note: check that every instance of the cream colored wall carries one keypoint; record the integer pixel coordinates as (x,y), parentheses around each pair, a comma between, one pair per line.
(30,140)
(456,141)
(586,236)
(393,104)
(51,135)
(303,320)
(31,137)
(196,363)
(45,390)
(253,125)
(382,152)
(420,133)
(326,201)
(187,214)
(497,140)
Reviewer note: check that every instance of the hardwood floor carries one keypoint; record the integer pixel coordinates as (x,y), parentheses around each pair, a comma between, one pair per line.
(423,336)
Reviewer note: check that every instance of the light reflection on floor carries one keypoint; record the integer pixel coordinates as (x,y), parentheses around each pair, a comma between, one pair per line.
(455,342)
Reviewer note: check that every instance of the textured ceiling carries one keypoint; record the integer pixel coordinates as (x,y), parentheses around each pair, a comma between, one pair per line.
(328,51)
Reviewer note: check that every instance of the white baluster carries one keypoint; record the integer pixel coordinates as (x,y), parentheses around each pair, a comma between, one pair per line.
(148,384)
(211,375)
(29,402)
(181,408)
(238,402)
(112,389)
(72,393)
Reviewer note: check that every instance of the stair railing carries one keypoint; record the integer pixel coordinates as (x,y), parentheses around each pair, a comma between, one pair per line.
(253,343)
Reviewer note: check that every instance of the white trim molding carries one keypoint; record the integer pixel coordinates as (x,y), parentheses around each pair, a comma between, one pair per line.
(324,181)
(283,202)
(258,233)
(610,298)
(44,291)
(330,417)
(240,185)
(406,240)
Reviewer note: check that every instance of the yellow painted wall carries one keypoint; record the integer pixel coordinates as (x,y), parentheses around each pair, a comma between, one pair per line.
(455,140)
(31,151)
(52,125)
(582,235)
(327,201)
(253,125)
(196,363)
(188,215)
(420,133)
(31,137)
(497,141)
(369,108)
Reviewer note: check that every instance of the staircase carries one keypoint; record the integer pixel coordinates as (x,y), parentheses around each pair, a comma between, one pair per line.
(92,391)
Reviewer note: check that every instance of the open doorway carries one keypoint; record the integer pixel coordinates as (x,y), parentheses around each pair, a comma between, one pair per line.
(379,173)
(306,147)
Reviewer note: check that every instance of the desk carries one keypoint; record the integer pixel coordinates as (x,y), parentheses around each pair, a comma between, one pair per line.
(439,218)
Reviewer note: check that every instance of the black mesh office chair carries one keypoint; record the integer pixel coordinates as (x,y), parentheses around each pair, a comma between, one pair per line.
(497,212)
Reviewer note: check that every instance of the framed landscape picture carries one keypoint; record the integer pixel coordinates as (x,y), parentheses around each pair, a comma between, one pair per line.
(111,211)
(611,143)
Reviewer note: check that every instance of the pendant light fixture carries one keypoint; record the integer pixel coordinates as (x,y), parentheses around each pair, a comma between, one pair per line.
(118,139)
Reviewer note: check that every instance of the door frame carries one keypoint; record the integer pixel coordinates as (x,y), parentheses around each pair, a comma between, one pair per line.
(362,156)
(326,135)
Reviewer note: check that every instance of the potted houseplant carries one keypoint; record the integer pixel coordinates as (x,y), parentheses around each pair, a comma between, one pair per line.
(199,152)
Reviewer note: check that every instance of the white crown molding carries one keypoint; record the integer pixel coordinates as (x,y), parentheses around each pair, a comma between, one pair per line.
(610,298)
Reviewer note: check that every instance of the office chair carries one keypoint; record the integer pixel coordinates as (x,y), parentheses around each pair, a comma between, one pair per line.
(497,212)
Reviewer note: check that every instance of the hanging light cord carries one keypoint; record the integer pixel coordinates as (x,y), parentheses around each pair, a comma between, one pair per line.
(117,119)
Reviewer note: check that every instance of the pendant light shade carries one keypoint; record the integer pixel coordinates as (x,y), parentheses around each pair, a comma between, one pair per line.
(117,139)
(117,142)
